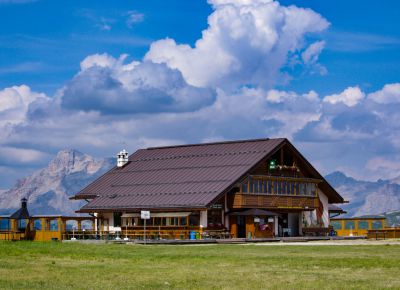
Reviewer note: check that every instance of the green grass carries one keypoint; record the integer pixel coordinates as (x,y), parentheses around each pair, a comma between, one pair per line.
(37,265)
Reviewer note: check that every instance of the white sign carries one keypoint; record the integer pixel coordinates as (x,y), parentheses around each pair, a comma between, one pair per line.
(270,220)
(145,214)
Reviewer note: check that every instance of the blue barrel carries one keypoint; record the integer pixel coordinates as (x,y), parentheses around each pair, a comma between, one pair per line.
(192,235)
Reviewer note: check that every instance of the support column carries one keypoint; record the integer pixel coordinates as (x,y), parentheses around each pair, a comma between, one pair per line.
(43,227)
(60,228)
(14,225)
(225,218)
(301,223)
(95,224)
(79,225)
(276,226)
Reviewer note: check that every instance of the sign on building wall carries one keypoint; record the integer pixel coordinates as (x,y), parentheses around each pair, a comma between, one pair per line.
(272,164)
(145,214)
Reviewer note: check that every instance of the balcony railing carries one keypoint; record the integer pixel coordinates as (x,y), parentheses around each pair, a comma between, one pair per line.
(246,200)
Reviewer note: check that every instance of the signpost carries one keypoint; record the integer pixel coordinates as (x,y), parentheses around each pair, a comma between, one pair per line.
(145,215)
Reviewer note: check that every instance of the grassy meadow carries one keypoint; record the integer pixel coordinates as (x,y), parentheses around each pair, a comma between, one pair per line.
(52,265)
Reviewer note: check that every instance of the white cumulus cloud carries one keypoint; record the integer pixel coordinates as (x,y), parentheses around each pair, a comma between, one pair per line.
(246,43)
(350,97)
(390,93)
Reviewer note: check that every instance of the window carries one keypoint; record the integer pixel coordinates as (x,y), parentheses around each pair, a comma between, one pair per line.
(117,219)
(277,187)
(292,188)
(159,221)
(284,187)
(214,217)
(173,221)
(363,225)
(377,225)
(183,221)
(313,189)
(71,225)
(53,225)
(259,186)
(337,225)
(21,224)
(302,190)
(349,225)
(194,219)
(87,225)
(37,225)
(4,224)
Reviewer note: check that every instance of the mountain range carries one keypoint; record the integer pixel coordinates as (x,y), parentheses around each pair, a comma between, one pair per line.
(48,190)
(366,197)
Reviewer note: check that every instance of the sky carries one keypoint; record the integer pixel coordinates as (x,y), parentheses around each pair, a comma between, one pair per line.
(101,75)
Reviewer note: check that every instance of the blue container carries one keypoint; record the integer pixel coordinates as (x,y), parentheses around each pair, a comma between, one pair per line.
(192,235)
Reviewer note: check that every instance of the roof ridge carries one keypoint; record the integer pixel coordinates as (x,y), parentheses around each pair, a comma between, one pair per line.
(191,155)
(215,143)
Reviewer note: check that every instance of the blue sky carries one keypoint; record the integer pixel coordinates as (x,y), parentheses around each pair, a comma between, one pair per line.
(322,73)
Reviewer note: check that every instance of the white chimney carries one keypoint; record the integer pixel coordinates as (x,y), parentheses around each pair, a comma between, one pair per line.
(122,158)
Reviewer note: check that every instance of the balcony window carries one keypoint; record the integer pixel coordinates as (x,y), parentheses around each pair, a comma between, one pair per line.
(279,186)
(269,187)
(302,189)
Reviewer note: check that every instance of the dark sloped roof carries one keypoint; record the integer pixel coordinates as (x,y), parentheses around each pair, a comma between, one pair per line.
(190,176)
(176,176)
(22,213)
(335,209)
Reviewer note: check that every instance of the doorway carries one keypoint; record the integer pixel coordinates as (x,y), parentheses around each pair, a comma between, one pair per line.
(241,226)
(293,223)
(283,229)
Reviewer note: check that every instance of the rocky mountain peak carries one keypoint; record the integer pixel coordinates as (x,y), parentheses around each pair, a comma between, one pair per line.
(72,160)
(338,177)
(48,189)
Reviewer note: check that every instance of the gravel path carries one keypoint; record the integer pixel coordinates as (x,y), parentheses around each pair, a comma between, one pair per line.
(335,243)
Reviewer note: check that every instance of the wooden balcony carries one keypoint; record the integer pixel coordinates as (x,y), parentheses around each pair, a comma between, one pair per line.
(272,192)
(267,201)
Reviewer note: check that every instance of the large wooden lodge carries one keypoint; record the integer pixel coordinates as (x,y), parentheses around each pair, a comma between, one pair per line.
(239,189)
